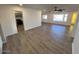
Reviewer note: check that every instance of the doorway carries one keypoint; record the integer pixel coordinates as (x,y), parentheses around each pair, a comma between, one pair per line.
(19,21)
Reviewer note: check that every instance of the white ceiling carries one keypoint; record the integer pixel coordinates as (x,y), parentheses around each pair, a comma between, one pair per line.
(67,7)
(50,7)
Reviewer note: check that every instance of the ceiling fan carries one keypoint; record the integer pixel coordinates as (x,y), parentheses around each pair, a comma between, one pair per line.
(58,9)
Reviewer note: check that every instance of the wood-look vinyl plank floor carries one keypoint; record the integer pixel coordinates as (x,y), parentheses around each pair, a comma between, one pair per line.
(46,39)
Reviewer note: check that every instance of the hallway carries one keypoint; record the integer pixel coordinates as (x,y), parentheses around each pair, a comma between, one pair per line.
(46,39)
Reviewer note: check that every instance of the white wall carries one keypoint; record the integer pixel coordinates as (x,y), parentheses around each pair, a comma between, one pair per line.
(50,18)
(75,44)
(75,34)
(1,45)
(31,18)
(7,20)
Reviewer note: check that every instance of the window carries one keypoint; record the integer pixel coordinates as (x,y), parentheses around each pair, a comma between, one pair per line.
(44,16)
(65,17)
(60,17)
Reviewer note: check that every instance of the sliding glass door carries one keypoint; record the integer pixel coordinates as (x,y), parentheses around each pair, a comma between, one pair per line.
(60,17)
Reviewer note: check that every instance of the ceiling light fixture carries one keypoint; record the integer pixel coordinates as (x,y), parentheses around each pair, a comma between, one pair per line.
(20,4)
